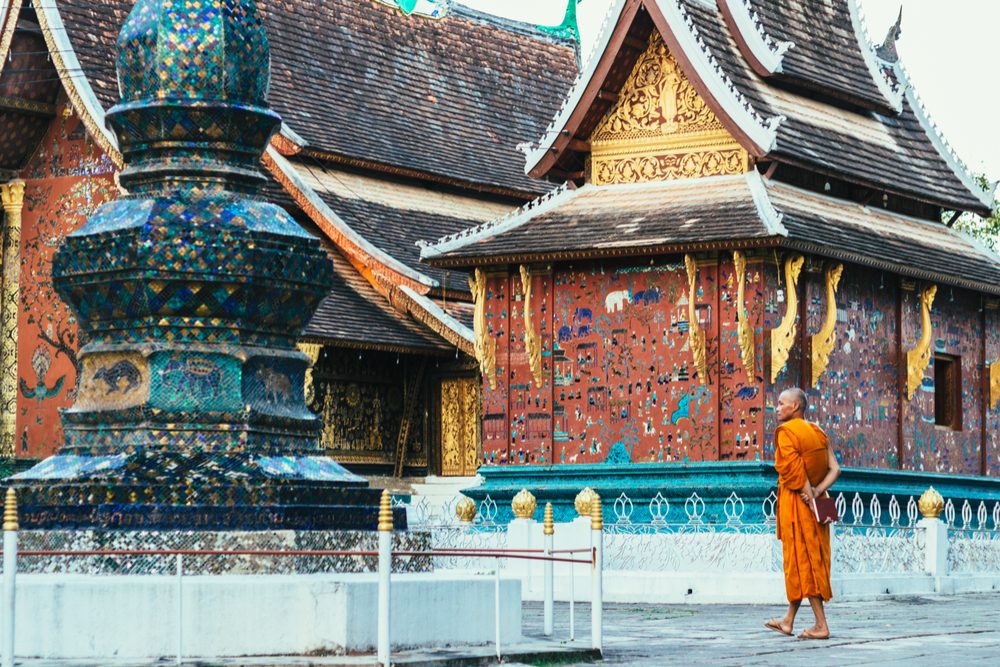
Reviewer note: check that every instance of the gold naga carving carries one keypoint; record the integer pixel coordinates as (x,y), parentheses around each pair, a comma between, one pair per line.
(744,329)
(484,346)
(699,342)
(532,341)
(783,336)
(824,340)
(661,129)
(918,358)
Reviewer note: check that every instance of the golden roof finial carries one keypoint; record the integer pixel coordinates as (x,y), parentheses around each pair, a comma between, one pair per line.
(550,527)
(10,510)
(596,513)
(524,504)
(385,512)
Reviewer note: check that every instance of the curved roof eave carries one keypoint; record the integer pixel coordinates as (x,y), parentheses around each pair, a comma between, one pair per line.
(78,88)
(985,195)
(893,94)
(758,47)
(756,134)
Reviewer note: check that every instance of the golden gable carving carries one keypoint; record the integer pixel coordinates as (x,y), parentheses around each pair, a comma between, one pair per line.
(661,129)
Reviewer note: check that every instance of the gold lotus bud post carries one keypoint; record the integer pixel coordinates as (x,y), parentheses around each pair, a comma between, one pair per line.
(524,504)
(596,513)
(931,503)
(385,512)
(10,510)
(582,502)
(550,527)
(465,509)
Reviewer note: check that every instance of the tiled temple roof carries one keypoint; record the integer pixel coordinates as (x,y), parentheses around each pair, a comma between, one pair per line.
(721,212)
(354,314)
(901,153)
(831,61)
(445,98)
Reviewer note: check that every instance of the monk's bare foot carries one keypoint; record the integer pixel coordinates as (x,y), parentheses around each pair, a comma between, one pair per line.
(815,632)
(778,625)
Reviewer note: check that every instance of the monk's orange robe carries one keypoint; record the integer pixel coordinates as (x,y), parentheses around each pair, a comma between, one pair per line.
(800,454)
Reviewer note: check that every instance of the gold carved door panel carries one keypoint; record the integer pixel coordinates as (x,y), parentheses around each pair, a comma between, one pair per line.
(459,426)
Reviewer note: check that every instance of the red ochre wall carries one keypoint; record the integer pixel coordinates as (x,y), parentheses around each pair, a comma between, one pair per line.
(65,181)
(619,382)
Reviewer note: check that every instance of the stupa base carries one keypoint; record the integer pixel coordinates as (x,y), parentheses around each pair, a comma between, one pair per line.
(161,489)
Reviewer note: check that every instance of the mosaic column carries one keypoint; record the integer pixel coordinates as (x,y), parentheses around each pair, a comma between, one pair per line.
(12,196)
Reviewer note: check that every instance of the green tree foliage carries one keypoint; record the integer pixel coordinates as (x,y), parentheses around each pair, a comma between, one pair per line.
(985,229)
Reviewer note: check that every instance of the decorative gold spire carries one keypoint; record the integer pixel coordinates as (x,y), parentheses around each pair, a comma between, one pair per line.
(699,342)
(583,499)
(549,526)
(824,341)
(931,503)
(596,513)
(783,337)
(524,504)
(385,512)
(465,509)
(10,510)
(918,358)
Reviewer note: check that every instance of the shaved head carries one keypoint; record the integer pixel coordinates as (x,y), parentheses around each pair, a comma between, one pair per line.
(797,398)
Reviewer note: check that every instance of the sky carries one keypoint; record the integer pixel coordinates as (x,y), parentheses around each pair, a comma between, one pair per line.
(948,49)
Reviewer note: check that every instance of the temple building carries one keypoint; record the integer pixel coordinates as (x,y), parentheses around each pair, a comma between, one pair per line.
(753,197)
(396,128)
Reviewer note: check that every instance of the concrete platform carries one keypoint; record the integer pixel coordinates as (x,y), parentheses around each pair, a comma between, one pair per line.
(93,617)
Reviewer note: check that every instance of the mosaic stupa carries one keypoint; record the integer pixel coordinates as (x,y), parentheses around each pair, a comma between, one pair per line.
(189,293)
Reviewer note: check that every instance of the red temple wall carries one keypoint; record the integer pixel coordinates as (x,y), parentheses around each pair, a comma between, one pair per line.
(619,381)
(856,400)
(66,180)
(992,426)
(957,330)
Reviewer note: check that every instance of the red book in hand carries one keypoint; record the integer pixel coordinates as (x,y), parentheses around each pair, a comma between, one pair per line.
(825,510)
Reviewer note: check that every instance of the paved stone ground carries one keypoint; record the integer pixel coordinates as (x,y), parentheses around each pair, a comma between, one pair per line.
(954,631)
(914,631)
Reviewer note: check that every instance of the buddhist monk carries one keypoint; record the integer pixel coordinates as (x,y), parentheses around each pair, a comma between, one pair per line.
(806,468)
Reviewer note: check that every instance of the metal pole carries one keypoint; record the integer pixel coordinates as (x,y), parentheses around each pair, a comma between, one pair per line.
(180,609)
(9,574)
(572,602)
(596,583)
(384,576)
(496,605)
(549,531)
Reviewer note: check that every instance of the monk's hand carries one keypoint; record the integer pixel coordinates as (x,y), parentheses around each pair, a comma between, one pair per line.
(806,496)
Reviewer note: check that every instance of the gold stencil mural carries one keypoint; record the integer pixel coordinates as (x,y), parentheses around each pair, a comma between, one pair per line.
(459,427)
(661,129)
